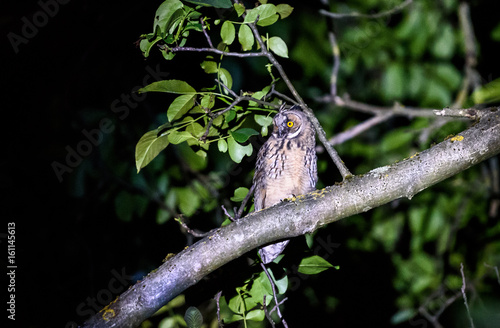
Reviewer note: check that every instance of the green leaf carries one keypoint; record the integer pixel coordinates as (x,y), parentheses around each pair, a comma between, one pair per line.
(284,10)
(212,3)
(189,201)
(266,14)
(244,134)
(313,265)
(240,9)
(148,147)
(444,45)
(393,82)
(239,194)
(180,106)
(165,15)
(176,137)
(489,92)
(209,67)
(245,37)
(395,139)
(222,145)
(278,46)
(193,317)
(170,86)
(124,206)
(237,151)
(226,78)
(227,32)
(263,120)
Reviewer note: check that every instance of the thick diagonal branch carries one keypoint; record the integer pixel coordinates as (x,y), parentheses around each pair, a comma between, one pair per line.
(301,215)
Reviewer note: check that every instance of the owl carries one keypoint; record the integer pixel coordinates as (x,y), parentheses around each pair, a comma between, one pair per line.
(286,167)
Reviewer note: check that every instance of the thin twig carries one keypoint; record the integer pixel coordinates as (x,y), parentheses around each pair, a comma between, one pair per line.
(195,233)
(359,15)
(360,128)
(266,312)
(227,213)
(244,202)
(496,271)
(464,295)
(217,298)
(275,296)
(470,113)
(336,64)
(204,28)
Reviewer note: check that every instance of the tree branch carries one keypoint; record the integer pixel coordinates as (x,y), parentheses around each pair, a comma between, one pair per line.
(300,215)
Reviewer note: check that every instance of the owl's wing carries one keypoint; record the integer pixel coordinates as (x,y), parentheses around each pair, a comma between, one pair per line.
(259,180)
(311,159)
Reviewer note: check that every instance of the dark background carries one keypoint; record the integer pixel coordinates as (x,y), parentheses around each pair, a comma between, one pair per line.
(69,242)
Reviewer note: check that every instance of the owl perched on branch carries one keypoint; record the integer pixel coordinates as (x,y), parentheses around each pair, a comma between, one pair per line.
(286,166)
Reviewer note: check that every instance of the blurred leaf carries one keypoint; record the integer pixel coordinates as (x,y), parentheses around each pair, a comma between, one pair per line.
(227,32)
(487,93)
(313,265)
(148,147)
(124,206)
(245,37)
(393,82)
(444,45)
(436,95)
(189,201)
(180,106)
(495,33)
(244,134)
(171,86)
(284,10)
(212,3)
(278,46)
(237,151)
(193,317)
(396,139)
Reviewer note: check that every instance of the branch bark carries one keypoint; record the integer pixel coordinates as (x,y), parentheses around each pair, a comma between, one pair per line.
(300,215)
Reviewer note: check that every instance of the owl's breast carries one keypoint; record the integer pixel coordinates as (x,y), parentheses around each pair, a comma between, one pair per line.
(288,174)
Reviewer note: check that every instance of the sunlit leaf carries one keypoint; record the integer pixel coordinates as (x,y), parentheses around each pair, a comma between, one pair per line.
(227,32)
(176,137)
(148,147)
(284,10)
(239,194)
(313,265)
(237,151)
(278,46)
(222,145)
(245,37)
(266,14)
(180,106)
(165,15)
(170,86)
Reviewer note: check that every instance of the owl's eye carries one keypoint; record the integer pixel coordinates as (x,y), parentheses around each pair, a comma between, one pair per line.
(289,124)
